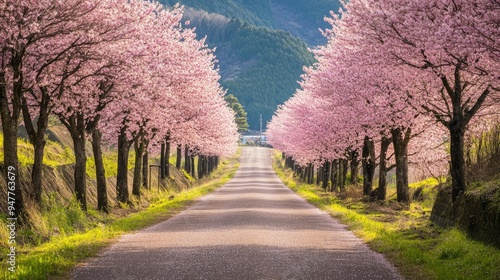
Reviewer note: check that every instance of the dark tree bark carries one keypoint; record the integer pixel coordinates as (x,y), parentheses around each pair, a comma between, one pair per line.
(139,153)
(341,175)
(211,164)
(333,175)
(76,127)
(145,169)
(167,156)
(326,174)
(179,157)
(458,174)
(354,155)
(368,165)
(400,140)
(200,164)
(162,160)
(309,173)
(319,174)
(343,178)
(187,165)
(192,165)
(10,126)
(37,139)
(122,191)
(205,166)
(382,182)
(102,190)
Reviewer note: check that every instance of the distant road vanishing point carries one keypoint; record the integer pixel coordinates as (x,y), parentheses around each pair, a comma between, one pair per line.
(253,227)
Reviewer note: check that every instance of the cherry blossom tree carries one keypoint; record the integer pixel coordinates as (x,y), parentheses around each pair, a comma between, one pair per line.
(182,83)
(452,49)
(373,101)
(129,64)
(37,36)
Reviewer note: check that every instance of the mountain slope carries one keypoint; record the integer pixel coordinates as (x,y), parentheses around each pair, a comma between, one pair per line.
(260,66)
(260,61)
(302,18)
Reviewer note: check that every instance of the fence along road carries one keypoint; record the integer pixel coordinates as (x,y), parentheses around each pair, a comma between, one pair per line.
(253,227)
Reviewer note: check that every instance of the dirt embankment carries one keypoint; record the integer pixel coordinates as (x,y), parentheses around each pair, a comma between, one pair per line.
(477,212)
(60,180)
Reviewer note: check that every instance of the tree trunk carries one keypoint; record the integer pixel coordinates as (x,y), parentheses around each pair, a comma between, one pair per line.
(102,191)
(457,161)
(162,161)
(333,175)
(167,157)
(354,167)
(326,174)
(341,175)
(37,170)
(179,157)
(192,165)
(345,166)
(145,169)
(200,166)
(10,126)
(37,139)
(78,135)
(11,168)
(400,142)
(308,173)
(122,192)
(205,165)
(210,164)
(139,152)
(187,165)
(319,174)
(382,181)
(368,165)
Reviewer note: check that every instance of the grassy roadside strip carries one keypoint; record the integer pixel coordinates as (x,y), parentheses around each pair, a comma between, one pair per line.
(55,259)
(419,249)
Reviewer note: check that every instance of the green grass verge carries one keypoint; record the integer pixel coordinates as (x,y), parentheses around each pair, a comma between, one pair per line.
(56,257)
(55,153)
(110,160)
(406,237)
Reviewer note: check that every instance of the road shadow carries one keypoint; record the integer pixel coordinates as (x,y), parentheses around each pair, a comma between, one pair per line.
(237,262)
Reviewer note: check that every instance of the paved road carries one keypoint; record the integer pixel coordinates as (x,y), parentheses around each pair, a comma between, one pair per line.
(252,228)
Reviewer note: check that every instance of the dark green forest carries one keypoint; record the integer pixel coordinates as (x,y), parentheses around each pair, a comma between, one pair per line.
(259,46)
(272,62)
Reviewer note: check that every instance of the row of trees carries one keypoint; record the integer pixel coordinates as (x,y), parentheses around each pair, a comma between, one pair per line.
(124,72)
(401,77)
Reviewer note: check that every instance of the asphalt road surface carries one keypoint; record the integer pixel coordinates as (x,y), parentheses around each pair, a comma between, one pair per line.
(252,228)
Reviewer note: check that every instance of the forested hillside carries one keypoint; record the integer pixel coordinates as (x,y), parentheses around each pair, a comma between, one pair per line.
(302,18)
(261,46)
